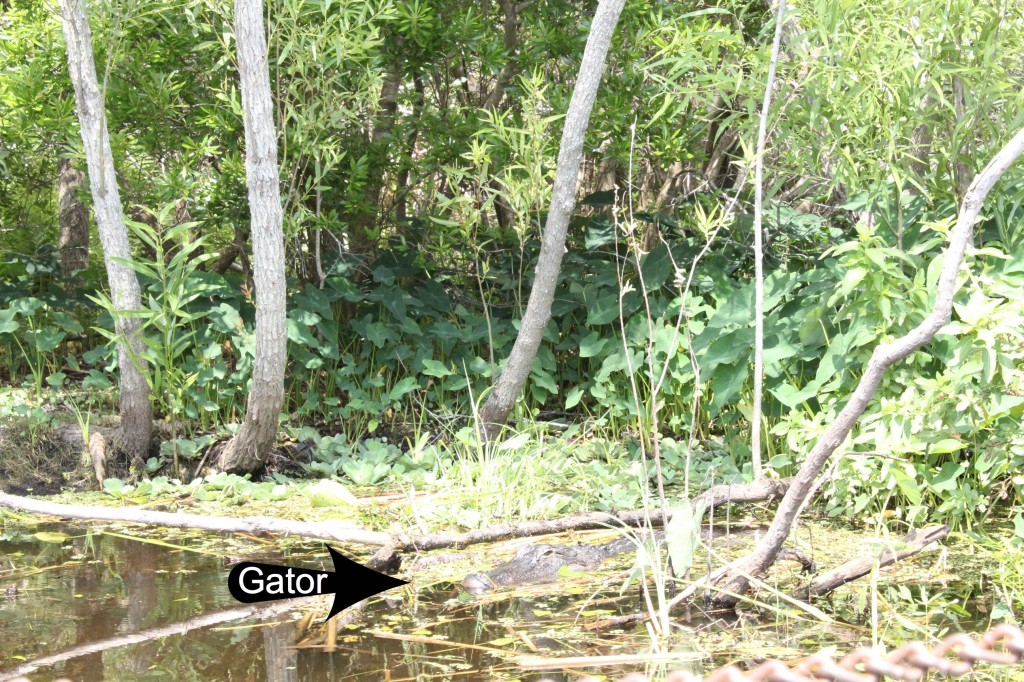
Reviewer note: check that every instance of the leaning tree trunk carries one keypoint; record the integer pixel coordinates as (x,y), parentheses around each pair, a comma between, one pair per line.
(72,220)
(248,449)
(136,411)
(563,199)
(883,357)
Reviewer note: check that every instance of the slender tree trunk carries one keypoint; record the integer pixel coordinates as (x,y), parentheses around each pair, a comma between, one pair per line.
(503,212)
(72,220)
(762,133)
(563,199)
(248,449)
(883,357)
(136,410)
(363,236)
(511,27)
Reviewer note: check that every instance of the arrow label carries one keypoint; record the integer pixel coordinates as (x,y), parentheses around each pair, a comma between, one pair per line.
(250,582)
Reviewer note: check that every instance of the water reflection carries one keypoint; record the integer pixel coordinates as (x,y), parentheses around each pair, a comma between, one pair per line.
(89,606)
(95,606)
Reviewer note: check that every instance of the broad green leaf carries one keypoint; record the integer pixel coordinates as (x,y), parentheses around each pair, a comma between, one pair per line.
(433,368)
(377,334)
(300,334)
(853,277)
(544,379)
(304,317)
(591,345)
(1018,526)
(328,493)
(7,322)
(791,397)
(727,382)
(656,267)
(603,310)
(516,442)
(573,397)
(946,446)
(45,339)
(945,479)
(681,538)
(910,488)
(113,486)
(66,322)
(26,306)
(406,385)
(96,380)
(225,319)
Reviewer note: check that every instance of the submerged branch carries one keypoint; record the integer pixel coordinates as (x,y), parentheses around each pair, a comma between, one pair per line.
(150,634)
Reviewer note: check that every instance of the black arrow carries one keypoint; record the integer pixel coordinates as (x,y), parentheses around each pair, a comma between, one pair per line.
(350,582)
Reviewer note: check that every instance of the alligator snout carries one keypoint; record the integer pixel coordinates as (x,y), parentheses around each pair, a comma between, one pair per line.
(477,583)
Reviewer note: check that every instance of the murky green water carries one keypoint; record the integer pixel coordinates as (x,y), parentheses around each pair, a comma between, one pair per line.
(97,605)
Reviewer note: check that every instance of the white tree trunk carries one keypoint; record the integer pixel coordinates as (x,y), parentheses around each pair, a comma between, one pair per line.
(883,357)
(762,134)
(563,199)
(249,448)
(136,410)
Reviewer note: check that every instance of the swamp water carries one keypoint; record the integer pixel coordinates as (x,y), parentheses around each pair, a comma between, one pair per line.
(101,605)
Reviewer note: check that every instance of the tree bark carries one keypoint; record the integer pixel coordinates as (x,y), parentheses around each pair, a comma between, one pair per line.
(510,384)
(511,28)
(72,220)
(883,357)
(248,450)
(136,410)
(363,237)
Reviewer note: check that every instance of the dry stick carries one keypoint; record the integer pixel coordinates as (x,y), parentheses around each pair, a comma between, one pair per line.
(883,357)
(762,133)
(620,270)
(860,566)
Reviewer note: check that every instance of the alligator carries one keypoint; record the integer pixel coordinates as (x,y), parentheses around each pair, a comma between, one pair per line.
(541,564)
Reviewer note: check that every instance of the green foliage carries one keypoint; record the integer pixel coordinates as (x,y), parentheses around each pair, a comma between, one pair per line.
(413,206)
(373,461)
(42,326)
(168,321)
(220,487)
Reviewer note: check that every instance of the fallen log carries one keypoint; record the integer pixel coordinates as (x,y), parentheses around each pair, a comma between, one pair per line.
(332,531)
(391,545)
